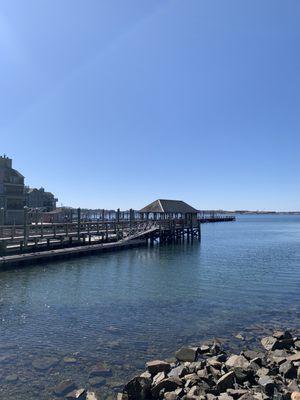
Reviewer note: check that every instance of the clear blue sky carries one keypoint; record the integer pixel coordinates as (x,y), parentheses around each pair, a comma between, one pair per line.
(116,103)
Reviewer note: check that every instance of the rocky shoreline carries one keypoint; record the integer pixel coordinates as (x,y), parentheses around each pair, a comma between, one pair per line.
(208,372)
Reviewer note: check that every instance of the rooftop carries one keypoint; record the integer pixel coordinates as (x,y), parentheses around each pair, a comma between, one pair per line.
(169,206)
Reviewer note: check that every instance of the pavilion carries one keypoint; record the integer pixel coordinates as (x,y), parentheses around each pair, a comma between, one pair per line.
(169,209)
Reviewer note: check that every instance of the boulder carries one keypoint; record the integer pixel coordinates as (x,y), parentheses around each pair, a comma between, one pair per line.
(70,360)
(99,370)
(156,366)
(45,363)
(64,387)
(97,381)
(214,363)
(187,354)
(269,343)
(204,349)
(77,394)
(122,396)
(293,386)
(225,396)
(297,344)
(294,357)
(11,378)
(288,370)
(203,374)
(179,371)
(236,393)
(170,396)
(267,384)
(237,362)
(247,396)
(138,388)
(225,382)
(242,375)
(281,335)
(158,377)
(252,354)
(91,396)
(168,384)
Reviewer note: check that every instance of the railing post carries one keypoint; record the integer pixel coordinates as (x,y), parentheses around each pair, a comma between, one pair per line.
(1,221)
(2,216)
(78,223)
(25,227)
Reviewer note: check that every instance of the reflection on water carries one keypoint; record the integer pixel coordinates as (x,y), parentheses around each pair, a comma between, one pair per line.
(119,310)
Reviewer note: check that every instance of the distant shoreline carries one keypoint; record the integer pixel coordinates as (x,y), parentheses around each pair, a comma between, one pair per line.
(242,212)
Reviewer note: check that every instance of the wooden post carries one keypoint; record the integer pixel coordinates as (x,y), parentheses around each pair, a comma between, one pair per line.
(106,231)
(2,215)
(199,231)
(78,223)
(25,227)
(42,228)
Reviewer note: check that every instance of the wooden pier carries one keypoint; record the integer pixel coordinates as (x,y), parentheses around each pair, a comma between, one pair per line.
(88,233)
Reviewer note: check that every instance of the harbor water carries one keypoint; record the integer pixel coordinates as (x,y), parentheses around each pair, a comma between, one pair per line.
(118,310)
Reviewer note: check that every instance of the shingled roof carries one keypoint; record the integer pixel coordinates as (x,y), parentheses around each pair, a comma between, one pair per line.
(168,206)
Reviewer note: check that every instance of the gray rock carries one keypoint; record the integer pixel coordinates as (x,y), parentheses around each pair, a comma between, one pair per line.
(122,396)
(252,354)
(214,363)
(203,374)
(288,370)
(267,384)
(138,388)
(204,349)
(64,387)
(158,377)
(70,360)
(99,370)
(97,381)
(45,363)
(11,378)
(262,372)
(297,344)
(294,357)
(77,394)
(179,371)
(293,386)
(237,362)
(282,335)
(194,391)
(225,382)
(170,396)
(236,393)
(269,343)
(241,374)
(146,374)
(187,354)
(225,396)
(247,396)
(158,366)
(91,396)
(168,384)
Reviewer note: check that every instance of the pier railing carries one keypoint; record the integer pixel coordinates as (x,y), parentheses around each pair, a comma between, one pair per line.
(14,238)
(11,232)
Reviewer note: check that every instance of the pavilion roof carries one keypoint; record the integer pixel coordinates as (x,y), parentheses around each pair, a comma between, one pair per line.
(169,206)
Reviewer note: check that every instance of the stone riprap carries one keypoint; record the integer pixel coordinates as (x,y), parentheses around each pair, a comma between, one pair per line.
(208,372)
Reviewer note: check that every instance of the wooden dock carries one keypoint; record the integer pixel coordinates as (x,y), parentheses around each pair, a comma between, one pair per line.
(39,241)
(19,260)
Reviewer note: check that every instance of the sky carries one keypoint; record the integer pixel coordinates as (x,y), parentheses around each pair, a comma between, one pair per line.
(115,103)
